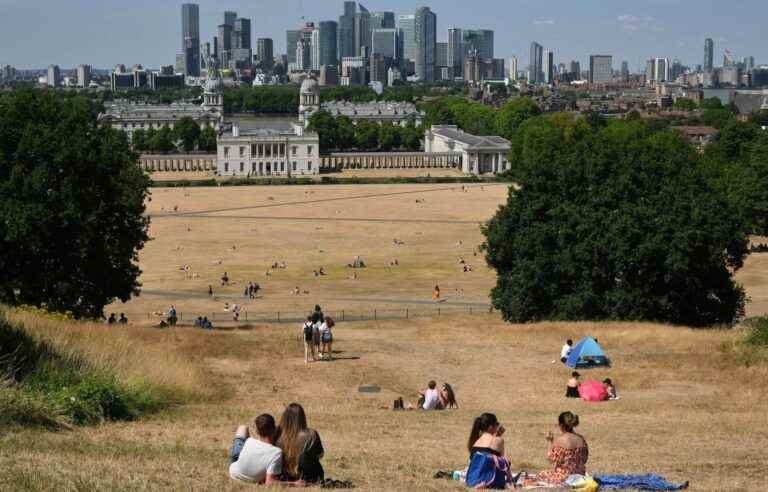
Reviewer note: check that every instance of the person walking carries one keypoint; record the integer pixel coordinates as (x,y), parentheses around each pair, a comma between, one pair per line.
(309,348)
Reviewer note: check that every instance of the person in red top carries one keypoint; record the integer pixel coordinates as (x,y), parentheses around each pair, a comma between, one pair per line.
(568,452)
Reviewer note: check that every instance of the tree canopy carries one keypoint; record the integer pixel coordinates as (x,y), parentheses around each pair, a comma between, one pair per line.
(71,205)
(339,133)
(614,222)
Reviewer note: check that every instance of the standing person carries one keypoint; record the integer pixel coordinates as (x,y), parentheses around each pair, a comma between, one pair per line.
(566,351)
(210,290)
(301,446)
(568,452)
(172,316)
(430,396)
(256,459)
(309,347)
(436,293)
(327,337)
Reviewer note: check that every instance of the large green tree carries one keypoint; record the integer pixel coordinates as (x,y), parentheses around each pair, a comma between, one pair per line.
(71,205)
(617,223)
(207,141)
(187,131)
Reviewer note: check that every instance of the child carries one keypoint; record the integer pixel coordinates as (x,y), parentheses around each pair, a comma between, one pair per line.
(611,389)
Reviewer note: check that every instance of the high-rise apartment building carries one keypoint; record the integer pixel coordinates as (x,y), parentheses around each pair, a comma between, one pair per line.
(709,54)
(426,41)
(625,71)
(382,20)
(479,40)
(513,68)
(190,38)
(535,73)
(54,76)
(455,51)
(657,70)
(600,69)
(265,53)
(548,66)
(328,39)
(385,43)
(406,26)
(346,31)
(83,75)
(292,37)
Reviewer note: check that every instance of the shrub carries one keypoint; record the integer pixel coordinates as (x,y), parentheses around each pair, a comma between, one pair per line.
(757,334)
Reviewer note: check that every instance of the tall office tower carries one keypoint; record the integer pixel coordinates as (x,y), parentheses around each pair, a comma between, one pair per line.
(441,55)
(216,47)
(455,52)
(727,59)
(385,43)
(242,34)
(205,55)
(362,29)
(575,70)
(600,69)
(265,53)
(230,18)
(9,73)
(54,76)
(315,49)
(513,68)
(749,63)
(328,39)
(406,26)
(709,54)
(190,38)
(548,67)
(292,38)
(498,68)
(535,75)
(378,69)
(346,31)
(474,68)
(426,39)
(225,45)
(83,75)
(480,40)
(304,55)
(662,69)
(382,20)
(625,71)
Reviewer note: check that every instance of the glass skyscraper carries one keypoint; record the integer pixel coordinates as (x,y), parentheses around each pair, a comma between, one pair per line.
(535,72)
(406,26)
(425,27)
(328,39)
(190,38)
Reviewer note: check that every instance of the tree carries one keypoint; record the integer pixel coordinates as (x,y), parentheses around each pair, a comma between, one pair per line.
(139,140)
(207,141)
(411,136)
(685,104)
(711,103)
(613,223)
(389,137)
(512,114)
(162,141)
(325,125)
(71,205)
(345,133)
(188,132)
(366,135)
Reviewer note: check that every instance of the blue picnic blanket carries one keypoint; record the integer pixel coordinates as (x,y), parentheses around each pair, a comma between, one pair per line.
(637,482)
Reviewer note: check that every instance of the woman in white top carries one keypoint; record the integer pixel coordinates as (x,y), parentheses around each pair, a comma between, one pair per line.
(431,397)
(326,337)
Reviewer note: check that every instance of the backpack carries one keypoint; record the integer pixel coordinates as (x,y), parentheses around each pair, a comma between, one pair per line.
(307,330)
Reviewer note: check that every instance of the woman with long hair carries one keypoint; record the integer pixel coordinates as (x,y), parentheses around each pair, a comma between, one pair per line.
(568,452)
(301,446)
(488,467)
(448,397)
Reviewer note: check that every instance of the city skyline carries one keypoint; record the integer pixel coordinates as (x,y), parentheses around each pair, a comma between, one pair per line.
(634,33)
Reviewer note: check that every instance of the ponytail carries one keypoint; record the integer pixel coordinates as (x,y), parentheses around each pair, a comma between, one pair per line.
(480,425)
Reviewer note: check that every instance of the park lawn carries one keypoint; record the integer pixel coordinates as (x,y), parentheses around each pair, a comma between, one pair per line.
(689,409)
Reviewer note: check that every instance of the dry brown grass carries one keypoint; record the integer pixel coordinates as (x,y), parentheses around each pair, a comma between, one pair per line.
(687,411)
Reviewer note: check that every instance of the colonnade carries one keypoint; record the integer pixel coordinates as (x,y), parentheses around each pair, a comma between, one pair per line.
(179,163)
(392,160)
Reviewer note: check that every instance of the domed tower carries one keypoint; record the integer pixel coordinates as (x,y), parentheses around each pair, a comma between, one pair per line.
(309,100)
(213,97)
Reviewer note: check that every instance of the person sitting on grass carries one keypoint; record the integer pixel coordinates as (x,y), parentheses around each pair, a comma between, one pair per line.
(430,397)
(572,389)
(301,446)
(568,452)
(488,467)
(256,459)
(610,388)
(448,397)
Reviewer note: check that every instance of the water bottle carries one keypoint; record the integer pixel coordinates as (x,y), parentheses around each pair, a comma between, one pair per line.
(456,475)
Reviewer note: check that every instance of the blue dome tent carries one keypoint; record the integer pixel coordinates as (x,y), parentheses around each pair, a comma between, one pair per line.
(587,353)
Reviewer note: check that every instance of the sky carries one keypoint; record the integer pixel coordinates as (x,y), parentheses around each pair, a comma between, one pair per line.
(102,33)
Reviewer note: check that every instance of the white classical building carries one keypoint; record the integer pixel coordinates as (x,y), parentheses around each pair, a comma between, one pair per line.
(268,152)
(479,155)
(131,117)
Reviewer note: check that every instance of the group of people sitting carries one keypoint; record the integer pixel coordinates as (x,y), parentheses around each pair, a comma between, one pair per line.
(433,399)
(285,454)
(489,468)
(113,319)
(203,322)
(318,337)
(573,388)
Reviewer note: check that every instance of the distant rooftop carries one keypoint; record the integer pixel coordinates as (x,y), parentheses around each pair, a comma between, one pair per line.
(472,141)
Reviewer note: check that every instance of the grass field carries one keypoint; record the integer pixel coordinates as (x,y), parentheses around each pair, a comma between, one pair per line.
(691,407)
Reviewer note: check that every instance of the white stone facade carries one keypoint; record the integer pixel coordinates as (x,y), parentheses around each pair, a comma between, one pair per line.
(268,153)
(480,155)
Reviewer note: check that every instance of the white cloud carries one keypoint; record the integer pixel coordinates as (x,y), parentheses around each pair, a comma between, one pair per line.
(544,22)
(631,22)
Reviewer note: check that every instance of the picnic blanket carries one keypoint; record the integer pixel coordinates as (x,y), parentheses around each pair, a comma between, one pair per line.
(636,482)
